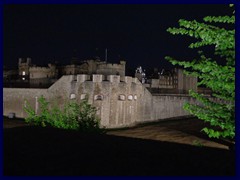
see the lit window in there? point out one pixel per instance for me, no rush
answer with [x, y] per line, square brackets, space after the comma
[23, 73]
[23, 79]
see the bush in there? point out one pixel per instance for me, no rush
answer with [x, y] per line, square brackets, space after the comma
[74, 116]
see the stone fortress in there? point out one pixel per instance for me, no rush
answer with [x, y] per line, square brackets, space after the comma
[37, 76]
[120, 100]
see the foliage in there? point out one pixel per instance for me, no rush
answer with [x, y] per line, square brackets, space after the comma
[74, 116]
[218, 110]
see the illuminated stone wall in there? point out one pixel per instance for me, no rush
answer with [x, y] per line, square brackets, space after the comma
[120, 101]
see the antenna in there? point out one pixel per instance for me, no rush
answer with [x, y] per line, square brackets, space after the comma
[106, 54]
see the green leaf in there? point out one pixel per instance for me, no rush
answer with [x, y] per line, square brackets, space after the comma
[219, 109]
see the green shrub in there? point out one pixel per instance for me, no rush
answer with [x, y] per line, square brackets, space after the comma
[74, 116]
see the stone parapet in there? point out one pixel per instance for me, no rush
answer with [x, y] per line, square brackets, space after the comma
[82, 77]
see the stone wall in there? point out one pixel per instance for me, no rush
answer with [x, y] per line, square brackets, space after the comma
[111, 69]
[37, 72]
[14, 100]
[178, 80]
[120, 101]
[169, 106]
[162, 82]
[70, 69]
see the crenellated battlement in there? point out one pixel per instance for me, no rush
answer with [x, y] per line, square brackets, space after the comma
[24, 61]
[110, 65]
[43, 69]
[98, 78]
[111, 69]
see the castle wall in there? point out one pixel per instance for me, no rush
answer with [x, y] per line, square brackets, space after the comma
[145, 106]
[180, 81]
[169, 106]
[120, 101]
[111, 69]
[14, 100]
[162, 83]
[113, 111]
[42, 72]
[70, 69]
[94, 67]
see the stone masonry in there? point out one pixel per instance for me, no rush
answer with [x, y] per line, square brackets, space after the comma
[120, 100]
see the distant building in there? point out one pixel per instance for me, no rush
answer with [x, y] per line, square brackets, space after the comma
[97, 66]
[43, 76]
[158, 81]
[167, 81]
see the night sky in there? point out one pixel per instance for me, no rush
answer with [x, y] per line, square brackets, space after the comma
[135, 33]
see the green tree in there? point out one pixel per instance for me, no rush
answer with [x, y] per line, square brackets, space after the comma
[76, 116]
[219, 109]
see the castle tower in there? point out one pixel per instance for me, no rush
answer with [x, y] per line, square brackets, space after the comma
[23, 68]
[180, 80]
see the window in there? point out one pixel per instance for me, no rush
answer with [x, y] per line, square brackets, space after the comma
[135, 97]
[98, 97]
[130, 97]
[121, 97]
[23, 73]
[23, 79]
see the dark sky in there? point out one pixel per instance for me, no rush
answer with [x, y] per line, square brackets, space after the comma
[135, 33]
